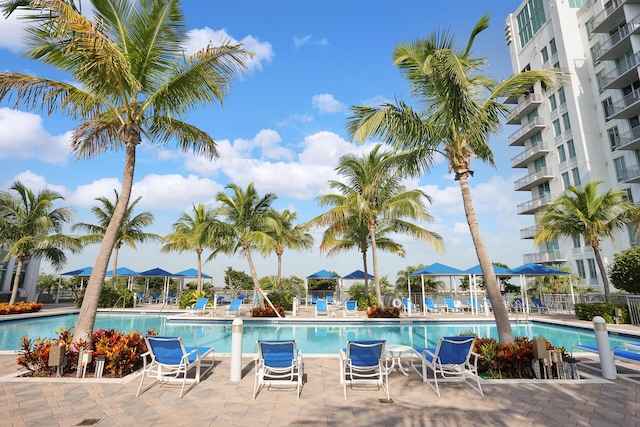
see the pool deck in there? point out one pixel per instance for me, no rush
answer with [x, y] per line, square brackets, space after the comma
[219, 401]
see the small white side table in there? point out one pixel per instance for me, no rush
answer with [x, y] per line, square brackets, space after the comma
[396, 351]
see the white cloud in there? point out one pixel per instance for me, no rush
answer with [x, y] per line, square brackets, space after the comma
[85, 195]
[22, 135]
[201, 37]
[11, 32]
[326, 104]
[301, 41]
[35, 183]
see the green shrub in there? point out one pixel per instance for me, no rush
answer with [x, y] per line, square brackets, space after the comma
[282, 299]
[109, 297]
[188, 298]
[587, 311]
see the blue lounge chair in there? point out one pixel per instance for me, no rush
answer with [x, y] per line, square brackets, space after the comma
[538, 305]
[200, 307]
[155, 297]
[406, 303]
[364, 363]
[451, 305]
[350, 308]
[451, 359]
[167, 360]
[431, 307]
[330, 299]
[278, 363]
[170, 297]
[314, 299]
[321, 308]
[628, 353]
[219, 299]
[234, 307]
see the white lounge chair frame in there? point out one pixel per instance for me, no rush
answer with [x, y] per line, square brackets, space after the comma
[291, 374]
[625, 354]
[449, 368]
[174, 369]
[352, 373]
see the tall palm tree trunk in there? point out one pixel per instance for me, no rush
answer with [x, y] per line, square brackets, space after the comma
[87, 316]
[505, 334]
[114, 275]
[279, 277]
[374, 257]
[603, 274]
[16, 281]
[199, 278]
[366, 273]
[254, 276]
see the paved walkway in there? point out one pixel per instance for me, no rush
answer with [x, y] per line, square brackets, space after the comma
[216, 401]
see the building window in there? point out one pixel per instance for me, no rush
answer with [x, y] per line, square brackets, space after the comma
[580, 267]
[561, 96]
[614, 137]
[595, 57]
[532, 115]
[571, 149]
[553, 47]
[589, 27]
[629, 195]
[540, 164]
[576, 4]
[556, 65]
[566, 122]
[592, 268]
[576, 177]
[544, 189]
[607, 108]
[566, 183]
[576, 241]
[620, 166]
[553, 103]
[557, 129]
[530, 20]
[562, 155]
[545, 55]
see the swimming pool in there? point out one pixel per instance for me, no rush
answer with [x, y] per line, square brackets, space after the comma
[313, 337]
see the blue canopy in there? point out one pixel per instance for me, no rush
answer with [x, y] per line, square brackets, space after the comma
[532, 269]
[192, 272]
[79, 272]
[499, 271]
[358, 274]
[156, 272]
[323, 274]
[437, 269]
[123, 271]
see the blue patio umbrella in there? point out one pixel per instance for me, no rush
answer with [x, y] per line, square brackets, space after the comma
[358, 274]
[123, 271]
[192, 272]
[79, 272]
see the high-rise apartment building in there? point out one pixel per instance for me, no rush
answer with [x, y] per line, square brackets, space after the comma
[585, 129]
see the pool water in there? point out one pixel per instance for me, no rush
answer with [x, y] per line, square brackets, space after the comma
[317, 337]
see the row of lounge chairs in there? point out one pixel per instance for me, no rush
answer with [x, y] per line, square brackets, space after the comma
[280, 363]
[348, 307]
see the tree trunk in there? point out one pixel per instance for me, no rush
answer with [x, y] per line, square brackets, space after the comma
[114, 275]
[366, 273]
[16, 280]
[279, 277]
[374, 258]
[254, 276]
[199, 279]
[603, 273]
[89, 308]
[505, 334]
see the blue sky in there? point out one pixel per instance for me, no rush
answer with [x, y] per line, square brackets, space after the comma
[282, 127]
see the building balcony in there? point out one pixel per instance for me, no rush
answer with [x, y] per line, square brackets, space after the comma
[619, 42]
[526, 106]
[625, 108]
[529, 232]
[623, 75]
[545, 257]
[526, 131]
[529, 155]
[629, 140]
[534, 205]
[611, 16]
[528, 182]
[630, 175]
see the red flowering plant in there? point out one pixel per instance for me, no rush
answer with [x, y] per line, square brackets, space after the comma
[376, 311]
[122, 352]
[268, 311]
[20, 307]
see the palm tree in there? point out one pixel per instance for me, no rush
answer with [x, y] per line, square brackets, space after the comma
[288, 236]
[584, 213]
[250, 219]
[373, 195]
[460, 106]
[30, 227]
[133, 79]
[129, 233]
[196, 233]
